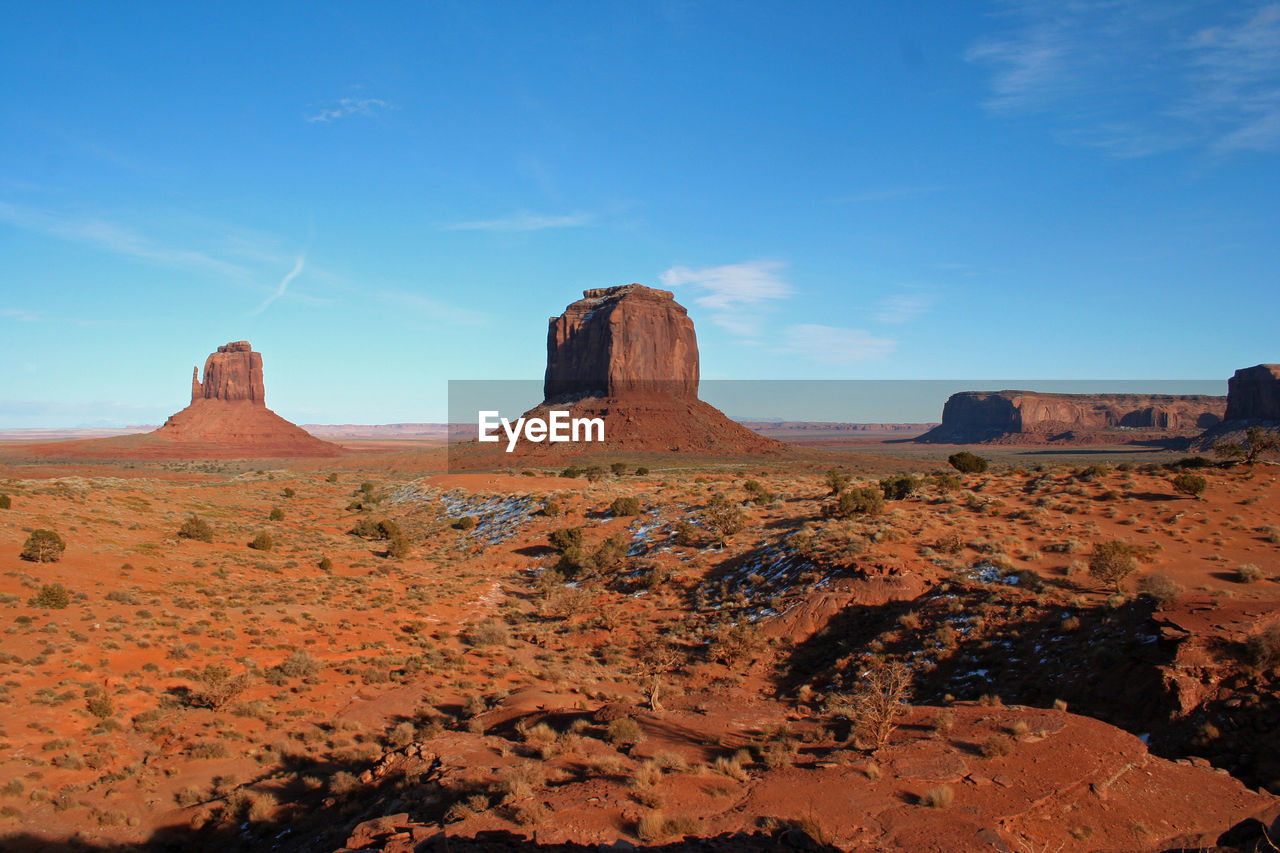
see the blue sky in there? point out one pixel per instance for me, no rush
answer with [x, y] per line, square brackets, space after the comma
[383, 197]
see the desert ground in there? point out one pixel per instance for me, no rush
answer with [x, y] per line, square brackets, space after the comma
[643, 654]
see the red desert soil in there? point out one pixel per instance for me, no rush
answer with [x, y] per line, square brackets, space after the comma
[709, 667]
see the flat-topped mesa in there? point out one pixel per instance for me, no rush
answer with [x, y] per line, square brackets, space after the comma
[234, 372]
[976, 416]
[622, 342]
[1253, 393]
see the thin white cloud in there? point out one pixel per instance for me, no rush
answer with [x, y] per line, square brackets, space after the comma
[118, 239]
[349, 107]
[524, 221]
[902, 308]
[1135, 79]
[435, 310]
[888, 194]
[735, 293]
[283, 285]
[21, 315]
[834, 345]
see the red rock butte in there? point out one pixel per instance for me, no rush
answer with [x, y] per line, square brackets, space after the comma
[228, 418]
[629, 355]
[1032, 417]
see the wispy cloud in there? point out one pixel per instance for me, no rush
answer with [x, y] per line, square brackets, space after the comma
[734, 292]
[115, 238]
[834, 345]
[21, 315]
[902, 308]
[524, 221]
[435, 310]
[1134, 79]
[345, 107]
[888, 194]
[283, 285]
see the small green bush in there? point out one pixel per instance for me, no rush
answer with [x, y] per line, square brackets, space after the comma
[276, 514]
[552, 509]
[262, 542]
[467, 522]
[759, 494]
[101, 706]
[625, 506]
[899, 487]
[967, 463]
[1187, 483]
[398, 548]
[325, 564]
[5, 502]
[52, 596]
[860, 501]
[43, 546]
[196, 528]
[618, 468]
[1111, 562]
[642, 471]
[566, 538]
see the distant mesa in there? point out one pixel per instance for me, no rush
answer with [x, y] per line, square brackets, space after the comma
[1029, 417]
[228, 418]
[629, 355]
[1253, 399]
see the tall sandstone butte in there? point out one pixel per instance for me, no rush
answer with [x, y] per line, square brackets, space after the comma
[1253, 394]
[627, 355]
[628, 341]
[234, 372]
[1028, 416]
[228, 418]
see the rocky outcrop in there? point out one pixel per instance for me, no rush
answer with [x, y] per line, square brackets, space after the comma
[622, 342]
[227, 419]
[979, 416]
[629, 356]
[234, 372]
[1253, 394]
[1253, 400]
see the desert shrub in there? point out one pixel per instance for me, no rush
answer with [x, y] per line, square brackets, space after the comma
[610, 553]
[398, 548]
[467, 522]
[594, 474]
[52, 596]
[625, 506]
[938, 798]
[837, 481]
[624, 731]
[642, 471]
[572, 472]
[276, 514]
[300, 664]
[325, 564]
[731, 644]
[489, 632]
[967, 463]
[288, 492]
[197, 529]
[388, 529]
[1248, 573]
[101, 706]
[723, 517]
[332, 478]
[618, 468]
[878, 701]
[1111, 562]
[759, 494]
[215, 687]
[43, 546]
[687, 534]
[262, 542]
[1263, 648]
[565, 538]
[997, 745]
[861, 501]
[5, 502]
[947, 482]
[552, 509]
[1160, 588]
[1186, 483]
[899, 486]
